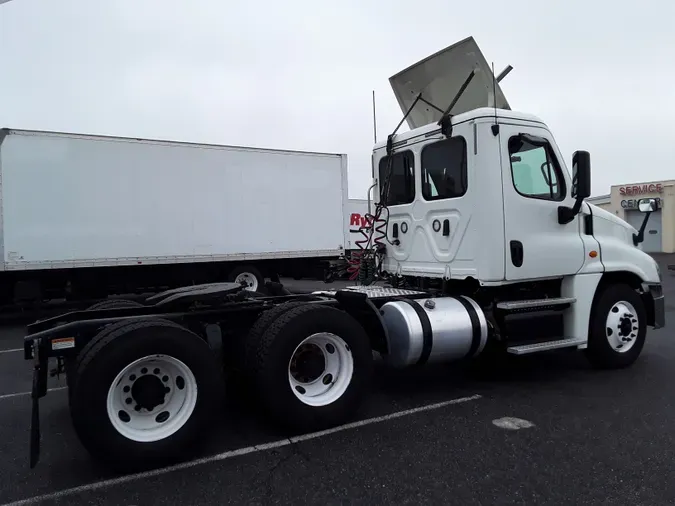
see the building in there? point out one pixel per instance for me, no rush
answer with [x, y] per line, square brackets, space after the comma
[622, 201]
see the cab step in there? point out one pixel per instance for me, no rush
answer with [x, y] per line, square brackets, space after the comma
[514, 305]
[524, 349]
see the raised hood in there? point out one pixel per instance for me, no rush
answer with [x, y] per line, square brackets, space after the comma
[439, 77]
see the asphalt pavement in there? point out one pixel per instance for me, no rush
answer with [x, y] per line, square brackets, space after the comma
[538, 429]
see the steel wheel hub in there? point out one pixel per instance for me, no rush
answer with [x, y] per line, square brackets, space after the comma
[622, 326]
[321, 369]
[249, 281]
[152, 398]
[149, 392]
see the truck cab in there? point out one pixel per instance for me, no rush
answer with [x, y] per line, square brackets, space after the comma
[486, 206]
[478, 199]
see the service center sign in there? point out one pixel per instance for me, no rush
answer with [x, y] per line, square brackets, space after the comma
[641, 189]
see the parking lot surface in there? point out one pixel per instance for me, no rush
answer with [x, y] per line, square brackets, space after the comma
[539, 429]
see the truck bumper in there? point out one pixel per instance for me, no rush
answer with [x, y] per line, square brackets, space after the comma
[653, 293]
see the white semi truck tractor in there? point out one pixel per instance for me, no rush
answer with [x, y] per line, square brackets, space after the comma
[481, 234]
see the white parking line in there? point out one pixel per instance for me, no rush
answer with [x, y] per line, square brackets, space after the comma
[236, 453]
[512, 423]
[14, 350]
[18, 394]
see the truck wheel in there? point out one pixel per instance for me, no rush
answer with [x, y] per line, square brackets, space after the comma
[144, 393]
[115, 304]
[249, 275]
[618, 328]
[312, 367]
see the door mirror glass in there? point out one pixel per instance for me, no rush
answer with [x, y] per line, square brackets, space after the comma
[581, 174]
[648, 205]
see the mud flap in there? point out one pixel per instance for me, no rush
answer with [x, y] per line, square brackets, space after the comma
[35, 426]
[39, 390]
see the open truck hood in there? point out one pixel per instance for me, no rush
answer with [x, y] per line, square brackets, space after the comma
[440, 76]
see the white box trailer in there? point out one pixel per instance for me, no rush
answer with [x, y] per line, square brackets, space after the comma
[83, 212]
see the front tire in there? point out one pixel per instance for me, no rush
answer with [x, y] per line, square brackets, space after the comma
[312, 367]
[144, 394]
[618, 328]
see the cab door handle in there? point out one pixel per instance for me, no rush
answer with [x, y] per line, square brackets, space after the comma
[446, 227]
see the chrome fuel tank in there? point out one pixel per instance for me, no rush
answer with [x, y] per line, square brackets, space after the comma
[433, 330]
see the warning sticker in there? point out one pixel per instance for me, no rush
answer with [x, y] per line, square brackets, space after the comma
[63, 343]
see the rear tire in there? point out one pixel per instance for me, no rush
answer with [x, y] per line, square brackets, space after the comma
[102, 390]
[327, 397]
[618, 328]
[242, 368]
[71, 364]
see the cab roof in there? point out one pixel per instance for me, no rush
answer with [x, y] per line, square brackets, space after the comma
[481, 112]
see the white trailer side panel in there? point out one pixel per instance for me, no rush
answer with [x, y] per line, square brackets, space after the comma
[75, 201]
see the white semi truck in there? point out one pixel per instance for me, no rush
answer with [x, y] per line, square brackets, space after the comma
[84, 216]
[480, 229]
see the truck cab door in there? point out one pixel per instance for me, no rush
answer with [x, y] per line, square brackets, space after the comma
[430, 205]
[535, 183]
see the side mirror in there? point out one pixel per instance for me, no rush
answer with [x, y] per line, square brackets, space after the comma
[648, 205]
[581, 175]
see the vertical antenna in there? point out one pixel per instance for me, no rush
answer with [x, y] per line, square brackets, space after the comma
[495, 127]
[374, 120]
[494, 90]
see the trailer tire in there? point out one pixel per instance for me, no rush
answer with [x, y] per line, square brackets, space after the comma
[188, 371]
[249, 274]
[330, 398]
[618, 328]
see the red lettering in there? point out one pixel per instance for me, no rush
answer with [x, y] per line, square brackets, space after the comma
[355, 219]
[641, 189]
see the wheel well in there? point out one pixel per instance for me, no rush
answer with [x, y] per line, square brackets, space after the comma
[632, 280]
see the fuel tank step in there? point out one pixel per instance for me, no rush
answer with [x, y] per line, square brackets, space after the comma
[513, 305]
[524, 349]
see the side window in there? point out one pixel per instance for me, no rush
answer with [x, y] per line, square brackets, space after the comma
[535, 169]
[400, 174]
[444, 169]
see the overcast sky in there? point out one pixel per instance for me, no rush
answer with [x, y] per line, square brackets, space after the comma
[299, 74]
